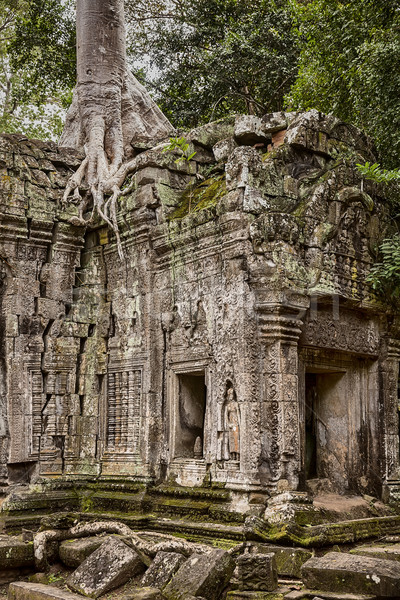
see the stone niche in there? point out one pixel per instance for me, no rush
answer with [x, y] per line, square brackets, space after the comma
[237, 343]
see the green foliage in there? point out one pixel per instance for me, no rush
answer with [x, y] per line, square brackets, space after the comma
[384, 276]
[181, 145]
[55, 578]
[43, 50]
[209, 58]
[37, 65]
[350, 66]
[376, 173]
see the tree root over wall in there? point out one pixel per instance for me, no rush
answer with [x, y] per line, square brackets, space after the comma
[146, 550]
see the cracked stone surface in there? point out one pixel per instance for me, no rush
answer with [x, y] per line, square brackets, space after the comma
[108, 567]
[341, 572]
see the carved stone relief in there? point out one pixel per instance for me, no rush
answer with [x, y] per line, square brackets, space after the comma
[124, 393]
[350, 333]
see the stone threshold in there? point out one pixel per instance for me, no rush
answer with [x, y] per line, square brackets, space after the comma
[317, 536]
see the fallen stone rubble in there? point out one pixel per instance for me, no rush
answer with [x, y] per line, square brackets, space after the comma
[99, 564]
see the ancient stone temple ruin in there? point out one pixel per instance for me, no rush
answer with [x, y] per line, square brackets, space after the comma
[236, 348]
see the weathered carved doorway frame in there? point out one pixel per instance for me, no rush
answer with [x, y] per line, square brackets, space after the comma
[188, 471]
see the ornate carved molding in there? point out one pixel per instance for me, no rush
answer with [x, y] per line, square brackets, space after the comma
[275, 326]
[348, 333]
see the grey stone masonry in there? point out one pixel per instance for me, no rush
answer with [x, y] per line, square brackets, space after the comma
[231, 340]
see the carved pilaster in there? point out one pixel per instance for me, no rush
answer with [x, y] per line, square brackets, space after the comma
[280, 329]
[389, 379]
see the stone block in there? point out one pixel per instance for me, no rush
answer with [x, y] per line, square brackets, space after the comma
[250, 130]
[37, 591]
[274, 122]
[144, 593]
[203, 575]
[108, 567]
[245, 595]
[49, 309]
[389, 552]
[14, 553]
[223, 149]
[339, 572]
[74, 552]
[288, 560]
[211, 133]
[257, 572]
[12, 328]
[162, 569]
[150, 175]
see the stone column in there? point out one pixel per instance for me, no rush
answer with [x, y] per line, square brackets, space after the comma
[4, 433]
[280, 329]
[389, 385]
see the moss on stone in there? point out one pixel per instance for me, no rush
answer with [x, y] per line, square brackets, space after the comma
[199, 197]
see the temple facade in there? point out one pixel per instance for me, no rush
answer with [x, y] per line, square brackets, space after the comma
[238, 342]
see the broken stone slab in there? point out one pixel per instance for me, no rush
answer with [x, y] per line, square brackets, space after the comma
[74, 552]
[14, 553]
[246, 595]
[203, 575]
[108, 567]
[274, 122]
[211, 133]
[250, 130]
[223, 149]
[20, 590]
[144, 593]
[340, 572]
[256, 572]
[304, 593]
[389, 552]
[288, 560]
[162, 569]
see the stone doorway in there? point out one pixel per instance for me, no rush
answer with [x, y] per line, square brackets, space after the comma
[189, 418]
[326, 429]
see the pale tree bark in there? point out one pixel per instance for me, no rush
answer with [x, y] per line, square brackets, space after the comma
[147, 550]
[110, 112]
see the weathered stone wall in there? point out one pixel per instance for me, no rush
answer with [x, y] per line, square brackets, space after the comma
[39, 253]
[243, 280]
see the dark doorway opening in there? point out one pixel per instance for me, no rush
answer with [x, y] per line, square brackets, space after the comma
[190, 415]
[328, 394]
[311, 401]
[21, 473]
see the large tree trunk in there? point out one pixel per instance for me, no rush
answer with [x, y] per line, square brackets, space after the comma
[111, 112]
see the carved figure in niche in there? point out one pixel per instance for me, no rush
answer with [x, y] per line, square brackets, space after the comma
[198, 448]
[198, 326]
[231, 423]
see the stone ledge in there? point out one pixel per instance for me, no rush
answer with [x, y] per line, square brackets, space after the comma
[37, 591]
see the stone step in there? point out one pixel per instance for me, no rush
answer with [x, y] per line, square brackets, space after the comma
[388, 552]
[14, 553]
[36, 591]
[306, 594]
[342, 572]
